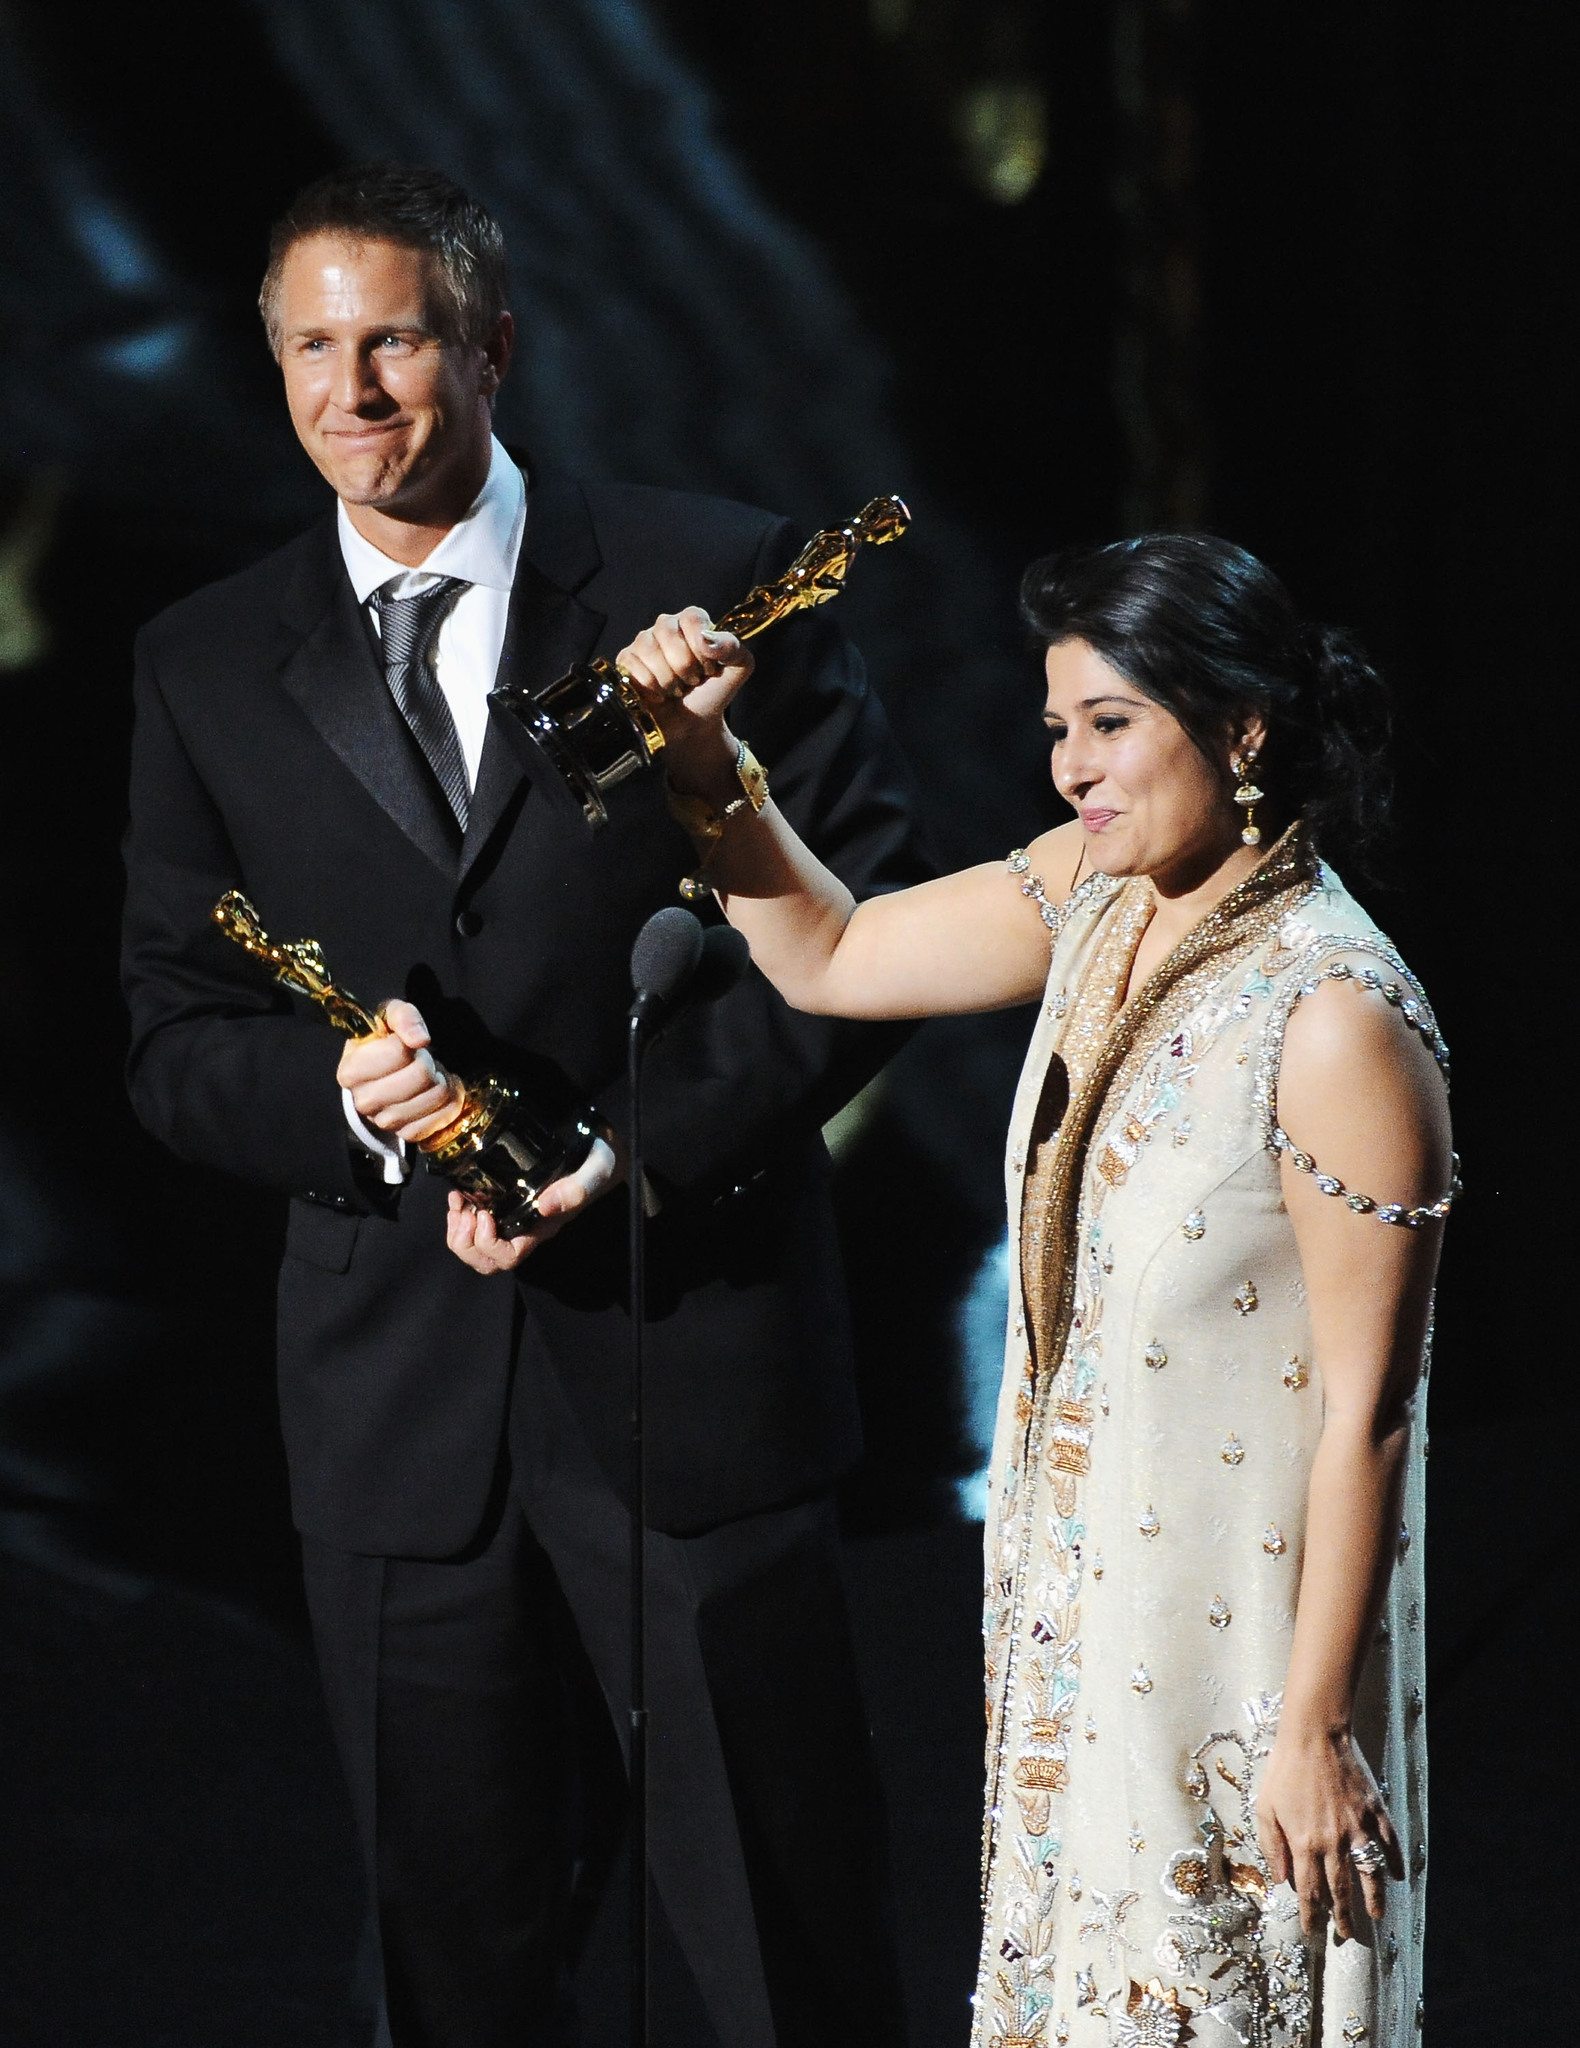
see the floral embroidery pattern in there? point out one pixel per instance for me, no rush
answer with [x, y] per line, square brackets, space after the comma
[1236, 1938]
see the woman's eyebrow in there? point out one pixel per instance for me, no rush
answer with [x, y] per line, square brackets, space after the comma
[1091, 704]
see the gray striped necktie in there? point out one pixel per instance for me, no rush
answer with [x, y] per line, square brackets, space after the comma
[408, 628]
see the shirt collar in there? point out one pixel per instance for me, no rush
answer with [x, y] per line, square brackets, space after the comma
[481, 547]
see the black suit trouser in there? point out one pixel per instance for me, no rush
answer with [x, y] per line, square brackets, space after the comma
[457, 1697]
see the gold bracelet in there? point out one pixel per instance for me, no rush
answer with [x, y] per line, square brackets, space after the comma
[706, 825]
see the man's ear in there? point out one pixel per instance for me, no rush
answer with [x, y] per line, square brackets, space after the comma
[497, 351]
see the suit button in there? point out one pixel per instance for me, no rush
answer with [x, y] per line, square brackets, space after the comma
[469, 923]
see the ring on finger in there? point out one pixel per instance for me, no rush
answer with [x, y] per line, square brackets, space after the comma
[1369, 1857]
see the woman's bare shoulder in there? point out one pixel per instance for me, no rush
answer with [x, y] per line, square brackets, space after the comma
[1054, 858]
[1353, 1064]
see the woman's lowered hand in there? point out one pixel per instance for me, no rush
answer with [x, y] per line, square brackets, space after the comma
[1318, 1805]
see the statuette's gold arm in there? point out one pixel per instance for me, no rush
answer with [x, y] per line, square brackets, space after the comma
[818, 573]
[297, 964]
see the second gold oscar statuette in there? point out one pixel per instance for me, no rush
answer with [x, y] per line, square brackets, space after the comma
[499, 1150]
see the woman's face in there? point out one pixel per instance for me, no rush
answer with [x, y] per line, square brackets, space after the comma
[1149, 800]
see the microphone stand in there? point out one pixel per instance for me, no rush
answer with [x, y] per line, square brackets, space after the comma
[670, 960]
[635, 1045]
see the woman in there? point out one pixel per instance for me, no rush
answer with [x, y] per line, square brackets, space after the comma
[1228, 1167]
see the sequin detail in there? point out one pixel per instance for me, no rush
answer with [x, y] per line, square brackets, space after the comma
[1364, 1205]
[1416, 1011]
[1052, 914]
[1104, 1919]
[1070, 1438]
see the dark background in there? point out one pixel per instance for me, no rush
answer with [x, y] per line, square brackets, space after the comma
[1299, 275]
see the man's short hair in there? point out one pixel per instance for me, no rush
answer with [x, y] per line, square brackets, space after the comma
[419, 209]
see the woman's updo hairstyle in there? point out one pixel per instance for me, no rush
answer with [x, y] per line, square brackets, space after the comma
[1203, 629]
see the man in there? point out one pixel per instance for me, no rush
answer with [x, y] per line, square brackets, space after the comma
[316, 731]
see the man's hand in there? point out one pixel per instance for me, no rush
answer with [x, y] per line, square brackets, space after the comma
[395, 1083]
[471, 1234]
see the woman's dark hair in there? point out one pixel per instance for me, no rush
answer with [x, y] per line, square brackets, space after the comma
[419, 209]
[1204, 629]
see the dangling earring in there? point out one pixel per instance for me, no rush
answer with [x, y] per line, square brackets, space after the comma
[1248, 794]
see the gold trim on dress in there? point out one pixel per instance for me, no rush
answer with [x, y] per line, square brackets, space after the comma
[1248, 915]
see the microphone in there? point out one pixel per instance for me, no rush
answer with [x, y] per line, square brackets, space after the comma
[676, 962]
[664, 962]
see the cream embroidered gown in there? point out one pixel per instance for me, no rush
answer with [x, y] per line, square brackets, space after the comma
[1147, 1504]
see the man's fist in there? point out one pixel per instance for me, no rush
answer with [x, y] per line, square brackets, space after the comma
[395, 1083]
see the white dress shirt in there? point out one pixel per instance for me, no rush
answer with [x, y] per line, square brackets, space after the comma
[482, 548]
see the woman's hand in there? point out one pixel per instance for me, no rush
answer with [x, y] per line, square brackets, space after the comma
[687, 675]
[1318, 1801]
[471, 1234]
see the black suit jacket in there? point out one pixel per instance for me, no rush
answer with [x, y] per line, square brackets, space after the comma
[268, 755]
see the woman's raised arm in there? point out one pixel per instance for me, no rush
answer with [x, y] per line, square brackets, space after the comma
[969, 941]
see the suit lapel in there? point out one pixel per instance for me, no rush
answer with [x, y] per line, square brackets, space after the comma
[333, 674]
[549, 630]
[334, 678]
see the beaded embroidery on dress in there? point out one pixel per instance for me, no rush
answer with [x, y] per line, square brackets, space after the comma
[1147, 1499]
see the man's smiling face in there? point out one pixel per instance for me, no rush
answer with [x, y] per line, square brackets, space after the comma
[396, 417]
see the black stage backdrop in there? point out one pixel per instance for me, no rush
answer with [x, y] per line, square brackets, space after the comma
[1300, 276]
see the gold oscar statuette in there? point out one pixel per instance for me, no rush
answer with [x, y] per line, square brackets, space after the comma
[594, 727]
[496, 1149]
